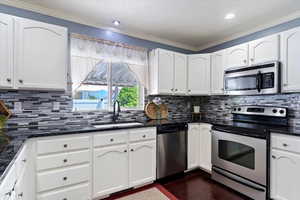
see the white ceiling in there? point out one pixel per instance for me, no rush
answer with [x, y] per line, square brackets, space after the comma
[193, 24]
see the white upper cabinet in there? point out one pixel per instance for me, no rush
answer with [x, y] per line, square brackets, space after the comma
[41, 55]
[237, 56]
[167, 72]
[217, 73]
[264, 50]
[199, 74]
[290, 60]
[180, 73]
[6, 51]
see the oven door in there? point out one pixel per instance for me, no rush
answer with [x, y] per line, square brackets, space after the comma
[240, 155]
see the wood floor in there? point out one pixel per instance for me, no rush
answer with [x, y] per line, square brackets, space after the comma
[198, 186]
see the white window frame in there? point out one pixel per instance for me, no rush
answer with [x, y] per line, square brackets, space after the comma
[109, 89]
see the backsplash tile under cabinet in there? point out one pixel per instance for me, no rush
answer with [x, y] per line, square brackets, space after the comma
[219, 107]
[38, 109]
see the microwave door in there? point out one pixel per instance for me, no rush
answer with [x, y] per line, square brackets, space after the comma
[247, 84]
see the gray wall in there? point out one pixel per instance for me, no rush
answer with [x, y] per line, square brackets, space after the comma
[269, 31]
[88, 30]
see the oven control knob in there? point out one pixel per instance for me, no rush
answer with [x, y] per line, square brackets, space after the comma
[234, 109]
[274, 110]
[281, 111]
[239, 109]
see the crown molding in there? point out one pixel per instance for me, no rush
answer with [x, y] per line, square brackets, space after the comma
[282, 20]
[58, 14]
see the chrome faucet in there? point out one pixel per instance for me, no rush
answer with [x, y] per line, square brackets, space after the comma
[117, 110]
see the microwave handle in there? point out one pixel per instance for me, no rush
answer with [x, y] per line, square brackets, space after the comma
[258, 81]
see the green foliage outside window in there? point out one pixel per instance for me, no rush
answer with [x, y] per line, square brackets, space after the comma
[128, 97]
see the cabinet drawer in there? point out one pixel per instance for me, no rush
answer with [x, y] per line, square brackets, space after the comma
[75, 193]
[286, 142]
[60, 178]
[142, 134]
[62, 160]
[62, 144]
[110, 138]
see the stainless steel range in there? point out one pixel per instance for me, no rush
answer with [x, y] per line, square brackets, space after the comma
[239, 149]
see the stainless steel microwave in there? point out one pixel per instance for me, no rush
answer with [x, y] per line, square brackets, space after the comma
[253, 80]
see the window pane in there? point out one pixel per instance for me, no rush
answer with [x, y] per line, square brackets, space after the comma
[91, 97]
[93, 91]
[125, 86]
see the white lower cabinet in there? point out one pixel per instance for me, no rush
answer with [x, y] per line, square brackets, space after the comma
[285, 165]
[80, 192]
[110, 170]
[193, 145]
[121, 166]
[142, 163]
[199, 146]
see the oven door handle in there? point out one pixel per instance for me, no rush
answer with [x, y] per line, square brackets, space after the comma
[238, 179]
[258, 81]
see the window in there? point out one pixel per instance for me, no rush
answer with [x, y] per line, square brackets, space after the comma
[106, 83]
[103, 72]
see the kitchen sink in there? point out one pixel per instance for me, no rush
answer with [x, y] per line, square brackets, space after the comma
[118, 125]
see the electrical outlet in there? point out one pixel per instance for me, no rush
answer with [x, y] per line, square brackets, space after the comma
[56, 105]
[17, 107]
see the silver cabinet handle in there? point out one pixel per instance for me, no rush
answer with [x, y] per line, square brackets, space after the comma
[245, 61]
[65, 145]
[131, 150]
[176, 90]
[125, 151]
[285, 145]
[144, 136]
[8, 80]
[21, 194]
[285, 84]
[189, 90]
[274, 157]
[20, 81]
[252, 59]
[65, 178]
[111, 139]
[24, 160]
[65, 160]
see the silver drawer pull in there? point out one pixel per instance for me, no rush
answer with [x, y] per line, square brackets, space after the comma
[21, 194]
[65, 146]
[285, 145]
[65, 160]
[64, 199]
[65, 178]
[20, 81]
[144, 136]
[8, 80]
[125, 151]
[24, 160]
[111, 139]
[131, 150]
[274, 157]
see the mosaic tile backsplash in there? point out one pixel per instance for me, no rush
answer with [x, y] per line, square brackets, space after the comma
[219, 107]
[37, 108]
[33, 108]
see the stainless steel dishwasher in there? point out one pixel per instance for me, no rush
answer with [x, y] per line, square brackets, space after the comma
[171, 149]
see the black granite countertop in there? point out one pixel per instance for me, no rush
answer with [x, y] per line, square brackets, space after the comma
[12, 139]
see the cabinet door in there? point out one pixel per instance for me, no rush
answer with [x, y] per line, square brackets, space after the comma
[285, 175]
[41, 55]
[217, 73]
[290, 59]
[237, 56]
[142, 163]
[180, 73]
[264, 50]
[199, 74]
[110, 170]
[205, 147]
[165, 72]
[193, 145]
[6, 51]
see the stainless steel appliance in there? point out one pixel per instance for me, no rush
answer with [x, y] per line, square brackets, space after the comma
[259, 79]
[171, 149]
[239, 149]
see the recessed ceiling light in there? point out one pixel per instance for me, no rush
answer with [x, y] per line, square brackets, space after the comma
[230, 16]
[116, 22]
